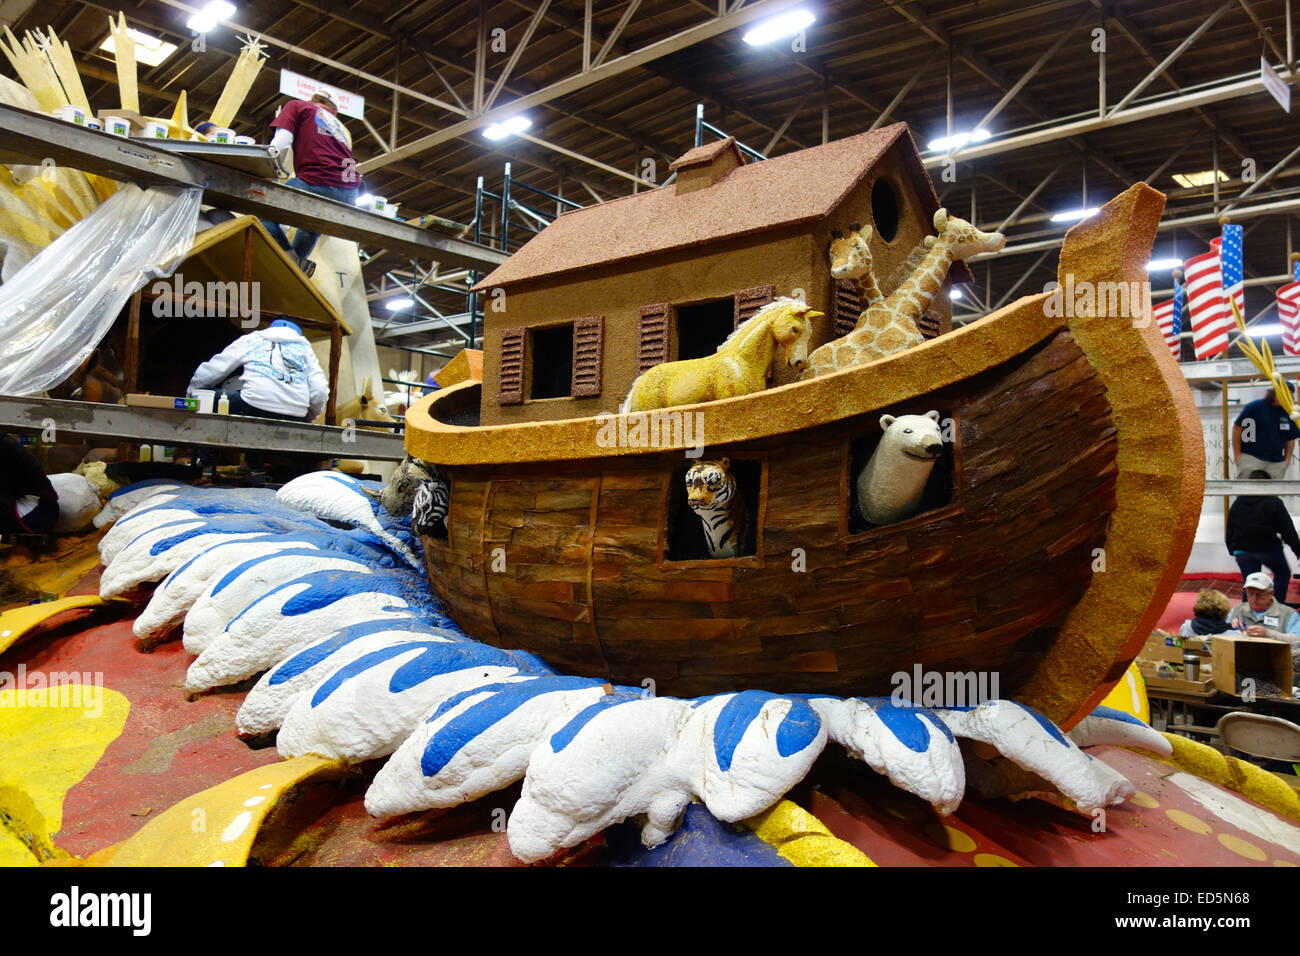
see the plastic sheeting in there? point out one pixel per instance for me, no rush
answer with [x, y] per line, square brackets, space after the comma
[57, 308]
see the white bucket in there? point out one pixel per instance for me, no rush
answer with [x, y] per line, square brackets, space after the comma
[206, 397]
[117, 126]
[92, 123]
[73, 114]
[155, 130]
[390, 209]
[223, 135]
[245, 141]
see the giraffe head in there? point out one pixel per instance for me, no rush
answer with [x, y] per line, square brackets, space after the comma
[850, 255]
[962, 239]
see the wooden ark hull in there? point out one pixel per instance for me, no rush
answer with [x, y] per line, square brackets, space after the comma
[1064, 526]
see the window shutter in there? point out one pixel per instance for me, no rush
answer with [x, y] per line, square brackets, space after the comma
[511, 367]
[652, 336]
[750, 301]
[929, 324]
[848, 306]
[588, 344]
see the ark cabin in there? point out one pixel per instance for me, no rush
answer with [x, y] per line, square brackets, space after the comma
[608, 291]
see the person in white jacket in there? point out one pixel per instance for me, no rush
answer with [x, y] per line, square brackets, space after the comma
[281, 377]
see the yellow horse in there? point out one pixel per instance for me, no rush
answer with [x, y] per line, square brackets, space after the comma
[742, 364]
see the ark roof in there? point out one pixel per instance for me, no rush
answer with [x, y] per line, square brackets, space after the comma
[798, 187]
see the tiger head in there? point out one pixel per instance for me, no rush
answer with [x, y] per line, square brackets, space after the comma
[709, 484]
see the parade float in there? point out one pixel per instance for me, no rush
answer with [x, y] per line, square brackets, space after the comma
[657, 569]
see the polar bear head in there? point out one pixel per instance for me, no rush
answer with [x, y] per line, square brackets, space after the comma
[916, 436]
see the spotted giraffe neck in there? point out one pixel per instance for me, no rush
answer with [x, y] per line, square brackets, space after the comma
[924, 281]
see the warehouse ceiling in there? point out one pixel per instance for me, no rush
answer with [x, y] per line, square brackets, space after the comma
[649, 64]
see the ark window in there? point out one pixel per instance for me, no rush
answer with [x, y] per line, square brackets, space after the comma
[684, 532]
[939, 488]
[885, 209]
[552, 354]
[701, 328]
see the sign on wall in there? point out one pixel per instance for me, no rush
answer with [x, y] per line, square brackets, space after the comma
[302, 87]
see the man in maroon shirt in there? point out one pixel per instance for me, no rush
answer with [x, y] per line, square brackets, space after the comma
[322, 162]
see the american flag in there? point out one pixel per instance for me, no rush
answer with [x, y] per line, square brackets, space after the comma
[1169, 316]
[1211, 317]
[1288, 312]
[1229, 247]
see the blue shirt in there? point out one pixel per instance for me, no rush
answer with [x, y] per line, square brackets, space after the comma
[1273, 428]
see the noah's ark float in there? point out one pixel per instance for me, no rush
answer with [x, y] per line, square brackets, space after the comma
[1052, 529]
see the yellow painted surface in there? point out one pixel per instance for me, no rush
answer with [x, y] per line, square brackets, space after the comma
[992, 859]
[1245, 778]
[1144, 799]
[1130, 695]
[217, 826]
[803, 839]
[17, 622]
[948, 838]
[49, 741]
[1243, 847]
[1189, 822]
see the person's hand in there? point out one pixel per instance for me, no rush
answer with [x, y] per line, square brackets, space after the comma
[1256, 630]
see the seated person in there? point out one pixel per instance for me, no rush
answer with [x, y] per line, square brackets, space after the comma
[281, 377]
[1261, 615]
[28, 502]
[1210, 615]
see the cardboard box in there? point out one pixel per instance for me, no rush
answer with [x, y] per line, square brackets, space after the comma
[1200, 687]
[1236, 656]
[162, 401]
[1162, 646]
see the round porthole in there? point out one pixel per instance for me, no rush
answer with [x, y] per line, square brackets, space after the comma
[885, 210]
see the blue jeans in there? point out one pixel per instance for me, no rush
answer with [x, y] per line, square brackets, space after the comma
[1275, 561]
[304, 242]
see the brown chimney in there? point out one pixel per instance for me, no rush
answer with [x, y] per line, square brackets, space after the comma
[705, 165]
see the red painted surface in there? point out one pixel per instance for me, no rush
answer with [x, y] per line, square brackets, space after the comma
[898, 829]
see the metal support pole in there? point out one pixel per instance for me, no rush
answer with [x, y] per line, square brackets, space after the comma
[586, 37]
[1101, 70]
[1024, 203]
[505, 212]
[898, 97]
[1261, 181]
[1177, 52]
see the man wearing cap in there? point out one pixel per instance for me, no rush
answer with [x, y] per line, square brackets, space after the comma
[1262, 615]
[281, 377]
[322, 163]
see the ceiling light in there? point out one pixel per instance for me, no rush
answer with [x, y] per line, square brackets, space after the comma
[516, 124]
[954, 294]
[958, 140]
[1192, 180]
[779, 27]
[1164, 265]
[148, 50]
[397, 305]
[1271, 328]
[211, 14]
[1074, 215]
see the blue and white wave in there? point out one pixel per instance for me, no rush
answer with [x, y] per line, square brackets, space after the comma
[321, 592]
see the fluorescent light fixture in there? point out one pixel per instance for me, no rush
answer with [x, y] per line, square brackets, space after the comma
[958, 140]
[1191, 180]
[516, 124]
[779, 27]
[1074, 215]
[211, 14]
[148, 50]
[1271, 328]
[397, 305]
[1164, 265]
[954, 294]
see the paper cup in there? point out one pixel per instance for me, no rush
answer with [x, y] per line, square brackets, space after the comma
[206, 397]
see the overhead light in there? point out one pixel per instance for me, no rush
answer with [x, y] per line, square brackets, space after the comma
[397, 305]
[1271, 328]
[213, 13]
[954, 294]
[1074, 215]
[510, 127]
[148, 50]
[779, 27]
[1191, 180]
[1164, 265]
[958, 140]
